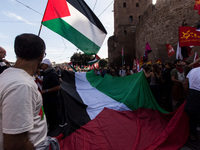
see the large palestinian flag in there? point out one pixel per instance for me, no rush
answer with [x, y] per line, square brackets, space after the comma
[74, 20]
[115, 113]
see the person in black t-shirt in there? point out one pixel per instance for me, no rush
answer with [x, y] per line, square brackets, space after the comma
[51, 95]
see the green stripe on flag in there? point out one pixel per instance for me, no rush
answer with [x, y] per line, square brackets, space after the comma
[133, 90]
[67, 31]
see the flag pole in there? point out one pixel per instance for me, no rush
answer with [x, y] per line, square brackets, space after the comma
[42, 19]
[40, 29]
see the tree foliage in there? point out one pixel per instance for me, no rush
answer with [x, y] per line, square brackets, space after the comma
[103, 63]
[81, 58]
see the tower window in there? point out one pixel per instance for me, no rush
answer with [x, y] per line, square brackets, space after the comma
[131, 18]
[125, 32]
[124, 4]
[137, 4]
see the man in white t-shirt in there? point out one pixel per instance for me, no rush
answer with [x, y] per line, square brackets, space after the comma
[192, 106]
[22, 121]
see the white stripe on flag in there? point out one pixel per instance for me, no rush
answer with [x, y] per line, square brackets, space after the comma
[178, 52]
[84, 26]
[96, 100]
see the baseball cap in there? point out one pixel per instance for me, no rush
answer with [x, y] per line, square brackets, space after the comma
[47, 62]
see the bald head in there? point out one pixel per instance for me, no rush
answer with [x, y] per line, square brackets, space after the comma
[2, 52]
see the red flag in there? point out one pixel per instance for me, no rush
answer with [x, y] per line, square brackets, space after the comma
[197, 5]
[188, 36]
[170, 50]
[159, 61]
[149, 62]
[148, 48]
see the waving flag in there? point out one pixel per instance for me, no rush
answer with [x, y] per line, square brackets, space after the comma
[170, 50]
[73, 20]
[148, 48]
[197, 5]
[71, 65]
[110, 113]
[159, 61]
[147, 51]
[96, 59]
[189, 36]
[178, 52]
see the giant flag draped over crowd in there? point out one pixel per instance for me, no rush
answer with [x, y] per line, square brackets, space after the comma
[73, 20]
[117, 113]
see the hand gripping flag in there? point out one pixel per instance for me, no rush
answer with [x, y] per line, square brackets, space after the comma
[74, 20]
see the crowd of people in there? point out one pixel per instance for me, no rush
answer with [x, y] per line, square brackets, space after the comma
[171, 84]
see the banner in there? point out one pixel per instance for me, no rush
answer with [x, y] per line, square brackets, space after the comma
[197, 5]
[189, 36]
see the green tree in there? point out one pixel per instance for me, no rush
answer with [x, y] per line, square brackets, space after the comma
[81, 58]
[103, 62]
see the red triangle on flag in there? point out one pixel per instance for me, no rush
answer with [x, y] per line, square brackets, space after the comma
[56, 9]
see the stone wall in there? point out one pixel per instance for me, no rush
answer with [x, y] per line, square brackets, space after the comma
[126, 18]
[159, 26]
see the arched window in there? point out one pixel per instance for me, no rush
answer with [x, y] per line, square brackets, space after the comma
[137, 4]
[131, 18]
[124, 4]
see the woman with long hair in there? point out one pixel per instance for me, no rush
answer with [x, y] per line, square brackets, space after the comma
[155, 81]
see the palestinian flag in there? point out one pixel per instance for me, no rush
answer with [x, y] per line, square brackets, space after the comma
[117, 113]
[96, 59]
[71, 65]
[73, 20]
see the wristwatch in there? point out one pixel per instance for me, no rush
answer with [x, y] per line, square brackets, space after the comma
[46, 91]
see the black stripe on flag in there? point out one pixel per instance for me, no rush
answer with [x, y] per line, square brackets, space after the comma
[75, 109]
[82, 7]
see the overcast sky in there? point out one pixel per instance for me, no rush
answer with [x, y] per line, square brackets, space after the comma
[15, 18]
